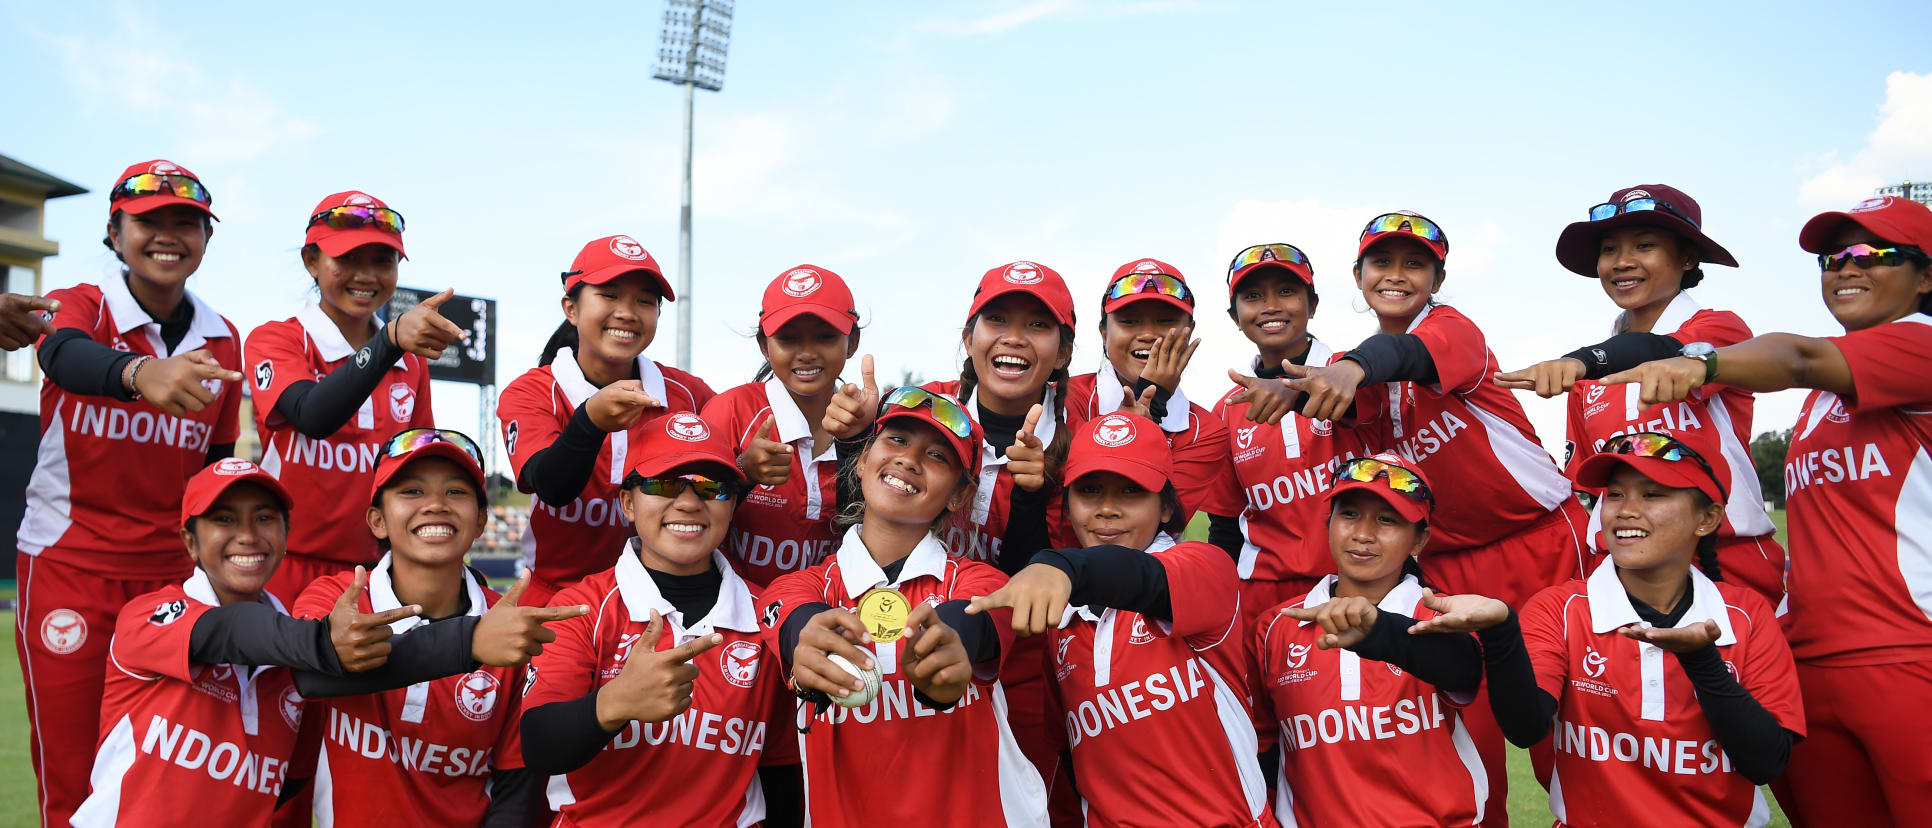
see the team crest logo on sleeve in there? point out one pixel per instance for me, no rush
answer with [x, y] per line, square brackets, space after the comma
[402, 401]
[1114, 430]
[627, 248]
[1023, 273]
[264, 375]
[290, 703]
[510, 438]
[63, 631]
[476, 695]
[801, 283]
[529, 677]
[168, 613]
[1838, 414]
[740, 662]
[1140, 634]
[1321, 428]
[687, 427]
[771, 613]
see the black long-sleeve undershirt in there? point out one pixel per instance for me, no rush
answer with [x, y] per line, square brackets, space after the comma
[1394, 358]
[1453, 663]
[254, 633]
[1026, 522]
[558, 473]
[319, 409]
[1624, 352]
[1524, 711]
[1224, 531]
[77, 364]
[1114, 576]
[516, 799]
[561, 737]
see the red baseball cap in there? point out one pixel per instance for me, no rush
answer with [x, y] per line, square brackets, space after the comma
[610, 257]
[1129, 445]
[1147, 266]
[418, 443]
[807, 289]
[1266, 257]
[1031, 278]
[1577, 247]
[335, 242]
[208, 485]
[1690, 472]
[678, 440]
[1412, 229]
[1412, 508]
[1896, 220]
[966, 448]
[142, 203]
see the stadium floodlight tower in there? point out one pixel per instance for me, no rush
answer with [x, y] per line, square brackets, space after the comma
[692, 54]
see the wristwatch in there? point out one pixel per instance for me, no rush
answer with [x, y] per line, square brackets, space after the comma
[1706, 353]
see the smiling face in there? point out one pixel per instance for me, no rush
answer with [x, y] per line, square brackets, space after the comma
[1864, 297]
[239, 541]
[430, 513]
[1130, 331]
[1272, 308]
[1397, 276]
[676, 534]
[356, 283]
[1015, 344]
[1641, 266]
[807, 355]
[616, 320]
[1651, 526]
[909, 475]
[1107, 508]
[163, 245]
[1370, 540]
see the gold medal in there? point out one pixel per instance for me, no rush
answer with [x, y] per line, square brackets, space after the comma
[883, 611]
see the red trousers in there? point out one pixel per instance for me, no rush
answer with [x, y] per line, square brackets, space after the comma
[1865, 758]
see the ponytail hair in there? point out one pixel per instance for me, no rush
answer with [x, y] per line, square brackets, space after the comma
[764, 368]
[1707, 557]
[565, 336]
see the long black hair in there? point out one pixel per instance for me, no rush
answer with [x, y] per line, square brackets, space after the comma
[565, 336]
[1056, 451]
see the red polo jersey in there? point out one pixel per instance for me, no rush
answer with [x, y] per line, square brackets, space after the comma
[787, 527]
[978, 533]
[1203, 469]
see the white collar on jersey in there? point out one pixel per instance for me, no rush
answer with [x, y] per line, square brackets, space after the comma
[1426, 308]
[1610, 606]
[859, 572]
[1108, 394]
[791, 422]
[570, 378]
[732, 611]
[382, 595]
[1161, 543]
[201, 589]
[1318, 354]
[988, 457]
[1681, 308]
[1401, 599]
[328, 339]
[128, 315]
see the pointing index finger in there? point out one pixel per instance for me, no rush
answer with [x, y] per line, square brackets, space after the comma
[690, 649]
[865, 371]
[437, 301]
[387, 616]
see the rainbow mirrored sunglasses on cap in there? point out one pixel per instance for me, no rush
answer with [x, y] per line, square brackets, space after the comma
[1404, 223]
[705, 488]
[944, 411]
[1160, 283]
[1865, 255]
[147, 184]
[358, 216]
[1367, 469]
[408, 441]
[1660, 447]
[1638, 205]
[1284, 253]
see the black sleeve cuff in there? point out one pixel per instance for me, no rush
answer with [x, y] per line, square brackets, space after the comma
[789, 629]
[561, 737]
[1624, 352]
[1114, 576]
[1225, 532]
[559, 473]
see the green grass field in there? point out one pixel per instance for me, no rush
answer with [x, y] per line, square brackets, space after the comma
[1527, 802]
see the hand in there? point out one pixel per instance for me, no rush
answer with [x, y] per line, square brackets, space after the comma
[1142, 405]
[1345, 621]
[1268, 400]
[1168, 358]
[1548, 378]
[853, 408]
[1664, 380]
[508, 635]
[1460, 613]
[174, 384]
[362, 639]
[935, 658]
[1676, 639]
[423, 331]
[619, 405]
[832, 631]
[20, 322]
[1038, 597]
[654, 685]
[766, 461]
[1330, 389]
[1026, 458]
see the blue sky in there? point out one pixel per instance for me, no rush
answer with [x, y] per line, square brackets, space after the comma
[910, 146]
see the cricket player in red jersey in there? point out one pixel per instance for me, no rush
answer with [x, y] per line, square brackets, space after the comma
[442, 752]
[807, 329]
[1283, 462]
[1646, 245]
[208, 677]
[1149, 652]
[139, 394]
[1363, 744]
[1858, 489]
[934, 738]
[565, 421]
[1668, 694]
[1146, 320]
[322, 415]
[656, 708]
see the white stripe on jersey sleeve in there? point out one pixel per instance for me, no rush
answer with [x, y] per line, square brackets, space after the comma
[323, 807]
[50, 490]
[1527, 462]
[103, 806]
[559, 793]
[1746, 506]
[1023, 797]
[1472, 761]
[1913, 520]
[1242, 741]
[1284, 795]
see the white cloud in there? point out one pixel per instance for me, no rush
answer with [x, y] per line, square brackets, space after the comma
[1013, 17]
[1899, 147]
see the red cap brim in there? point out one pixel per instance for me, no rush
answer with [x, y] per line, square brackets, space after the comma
[335, 243]
[1594, 473]
[1112, 305]
[142, 204]
[1440, 250]
[966, 450]
[1306, 276]
[610, 274]
[1144, 475]
[195, 502]
[388, 467]
[1412, 509]
[1060, 307]
[840, 321]
[1817, 233]
[658, 464]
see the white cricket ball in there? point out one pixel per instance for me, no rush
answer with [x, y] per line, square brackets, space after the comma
[858, 697]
